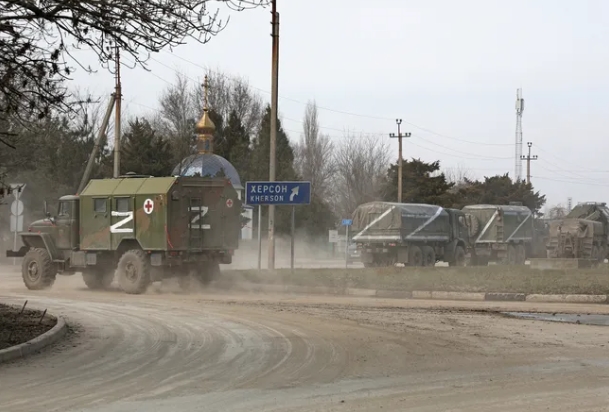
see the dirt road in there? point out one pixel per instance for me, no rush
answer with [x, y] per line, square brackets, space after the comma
[211, 352]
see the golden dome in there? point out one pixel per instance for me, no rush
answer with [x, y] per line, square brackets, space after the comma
[205, 125]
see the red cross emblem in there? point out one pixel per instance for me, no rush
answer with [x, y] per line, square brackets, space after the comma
[229, 202]
[148, 206]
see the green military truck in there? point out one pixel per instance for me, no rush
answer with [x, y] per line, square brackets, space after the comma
[146, 228]
[505, 234]
[409, 233]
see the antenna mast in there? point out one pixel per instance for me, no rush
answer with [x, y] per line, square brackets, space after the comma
[518, 156]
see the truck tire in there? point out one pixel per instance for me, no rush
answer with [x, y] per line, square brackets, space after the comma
[459, 258]
[521, 254]
[415, 256]
[97, 278]
[209, 272]
[429, 256]
[134, 272]
[511, 256]
[37, 269]
[596, 254]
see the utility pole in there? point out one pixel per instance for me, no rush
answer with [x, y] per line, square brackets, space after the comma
[399, 136]
[273, 142]
[117, 117]
[528, 158]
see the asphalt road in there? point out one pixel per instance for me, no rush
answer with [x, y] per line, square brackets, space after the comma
[165, 351]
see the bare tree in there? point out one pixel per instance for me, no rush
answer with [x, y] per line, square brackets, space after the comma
[459, 175]
[35, 39]
[361, 169]
[556, 212]
[231, 93]
[177, 117]
[182, 106]
[314, 155]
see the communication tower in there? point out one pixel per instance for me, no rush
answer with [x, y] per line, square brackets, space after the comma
[519, 110]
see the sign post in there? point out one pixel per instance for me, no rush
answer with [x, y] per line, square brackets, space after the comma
[292, 240]
[259, 237]
[347, 223]
[287, 193]
[16, 214]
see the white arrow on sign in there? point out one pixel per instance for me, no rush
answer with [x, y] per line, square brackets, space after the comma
[294, 193]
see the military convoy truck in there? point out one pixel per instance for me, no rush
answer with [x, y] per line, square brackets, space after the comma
[412, 234]
[146, 228]
[505, 234]
[583, 234]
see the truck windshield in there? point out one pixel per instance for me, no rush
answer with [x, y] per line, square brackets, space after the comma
[64, 209]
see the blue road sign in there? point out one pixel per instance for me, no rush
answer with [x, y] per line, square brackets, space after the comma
[347, 222]
[277, 193]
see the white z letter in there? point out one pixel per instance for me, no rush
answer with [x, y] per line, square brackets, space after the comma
[116, 228]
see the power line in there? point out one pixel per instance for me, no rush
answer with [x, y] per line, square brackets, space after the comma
[454, 152]
[335, 110]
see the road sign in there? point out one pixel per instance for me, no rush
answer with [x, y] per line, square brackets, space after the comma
[278, 193]
[347, 222]
[17, 207]
[333, 236]
[16, 223]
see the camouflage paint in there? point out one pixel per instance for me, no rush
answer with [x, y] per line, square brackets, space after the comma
[169, 225]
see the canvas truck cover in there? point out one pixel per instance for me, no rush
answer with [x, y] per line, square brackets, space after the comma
[400, 222]
[591, 211]
[484, 223]
[158, 212]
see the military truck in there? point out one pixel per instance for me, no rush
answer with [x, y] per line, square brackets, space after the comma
[412, 234]
[582, 234]
[147, 228]
[500, 233]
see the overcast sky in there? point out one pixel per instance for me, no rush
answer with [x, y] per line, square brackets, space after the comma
[449, 68]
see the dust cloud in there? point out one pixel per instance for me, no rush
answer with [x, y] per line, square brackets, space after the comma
[308, 253]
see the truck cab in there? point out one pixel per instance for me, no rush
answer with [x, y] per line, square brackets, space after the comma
[460, 232]
[58, 234]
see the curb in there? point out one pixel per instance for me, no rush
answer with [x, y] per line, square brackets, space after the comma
[424, 294]
[32, 346]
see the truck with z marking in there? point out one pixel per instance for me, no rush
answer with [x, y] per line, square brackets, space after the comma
[144, 228]
[413, 234]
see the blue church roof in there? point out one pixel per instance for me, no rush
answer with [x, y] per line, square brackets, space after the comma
[208, 165]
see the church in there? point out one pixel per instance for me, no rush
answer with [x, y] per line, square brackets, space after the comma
[206, 163]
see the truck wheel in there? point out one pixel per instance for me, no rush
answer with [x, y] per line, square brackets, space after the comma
[134, 272]
[596, 252]
[97, 278]
[37, 269]
[429, 256]
[521, 254]
[415, 256]
[210, 271]
[459, 259]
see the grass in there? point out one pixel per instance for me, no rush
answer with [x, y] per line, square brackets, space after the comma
[471, 279]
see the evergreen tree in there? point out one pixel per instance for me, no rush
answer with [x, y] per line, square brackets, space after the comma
[421, 183]
[235, 146]
[144, 152]
[499, 190]
[284, 165]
